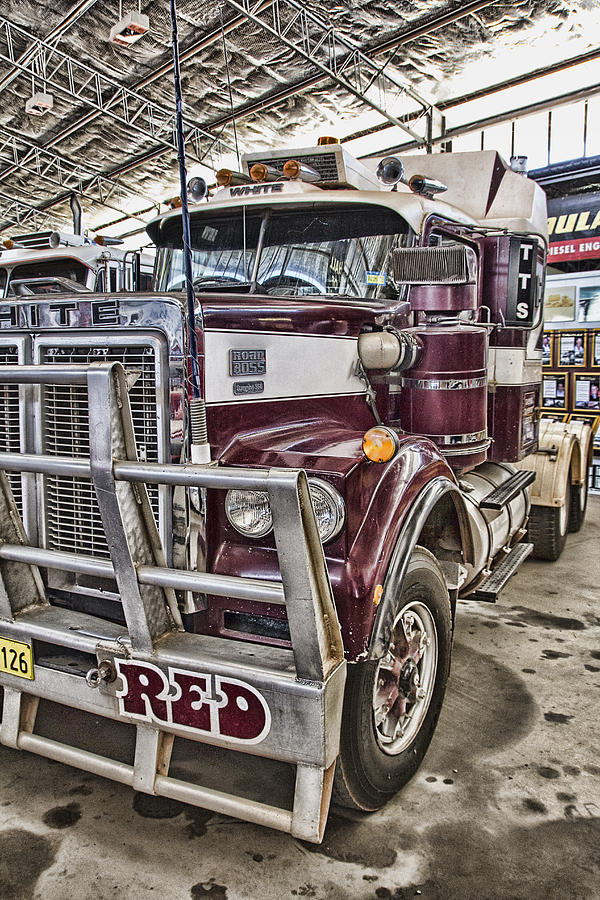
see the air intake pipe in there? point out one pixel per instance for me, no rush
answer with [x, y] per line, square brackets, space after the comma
[389, 350]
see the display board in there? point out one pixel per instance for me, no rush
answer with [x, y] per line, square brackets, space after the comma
[571, 354]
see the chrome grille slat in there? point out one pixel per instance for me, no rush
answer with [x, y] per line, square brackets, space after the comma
[10, 421]
[72, 516]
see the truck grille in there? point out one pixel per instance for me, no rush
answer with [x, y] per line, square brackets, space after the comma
[73, 520]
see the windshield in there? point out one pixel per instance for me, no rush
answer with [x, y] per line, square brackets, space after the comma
[63, 267]
[318, 250]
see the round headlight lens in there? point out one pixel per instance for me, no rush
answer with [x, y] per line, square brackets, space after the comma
[249, 512]
[329, 508]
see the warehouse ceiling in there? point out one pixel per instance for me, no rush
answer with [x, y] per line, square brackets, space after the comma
[378, 74]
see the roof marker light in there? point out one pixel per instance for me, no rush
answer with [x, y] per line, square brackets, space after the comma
[228, 178]
[380, 444]
[295, 170]
[262, 172]
[327, 139]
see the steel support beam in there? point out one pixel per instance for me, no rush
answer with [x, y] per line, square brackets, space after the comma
[497, 118]
[53, 35]
[17, 212]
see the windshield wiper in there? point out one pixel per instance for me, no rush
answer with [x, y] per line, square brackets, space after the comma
[222, 283]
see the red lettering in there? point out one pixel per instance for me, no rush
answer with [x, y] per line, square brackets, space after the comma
[205, 703]
[244, 716]
[192, 708]
[145, 690]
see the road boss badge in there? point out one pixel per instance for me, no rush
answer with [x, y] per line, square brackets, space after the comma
[210, 704]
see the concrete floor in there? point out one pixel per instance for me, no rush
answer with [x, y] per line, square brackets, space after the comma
[506, 805]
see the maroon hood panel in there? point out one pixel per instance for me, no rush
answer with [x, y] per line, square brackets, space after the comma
[302, 433]
[297, 315]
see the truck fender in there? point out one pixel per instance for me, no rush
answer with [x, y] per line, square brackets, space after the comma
[414, 526]
[582, 460]
[559, 453]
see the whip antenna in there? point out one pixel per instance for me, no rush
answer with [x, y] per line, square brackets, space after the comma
[200, 450]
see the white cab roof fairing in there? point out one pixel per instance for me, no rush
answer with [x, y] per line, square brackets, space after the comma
[484, 187]
[414, 208]
[87, 254]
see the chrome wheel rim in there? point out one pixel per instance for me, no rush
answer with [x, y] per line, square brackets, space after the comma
[405, 679]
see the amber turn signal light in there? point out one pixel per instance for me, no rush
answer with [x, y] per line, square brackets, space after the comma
[379, 444]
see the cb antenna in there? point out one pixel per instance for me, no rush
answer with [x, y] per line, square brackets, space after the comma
[199, 447]
[237, 149]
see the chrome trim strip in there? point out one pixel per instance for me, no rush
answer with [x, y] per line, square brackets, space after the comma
[444, 384]
[449, 440]
[26, 404]
[466, 449]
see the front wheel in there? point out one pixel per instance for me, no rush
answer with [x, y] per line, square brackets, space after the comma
[391, 706]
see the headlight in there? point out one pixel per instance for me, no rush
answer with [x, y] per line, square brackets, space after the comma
[329, 508]
[250, 512]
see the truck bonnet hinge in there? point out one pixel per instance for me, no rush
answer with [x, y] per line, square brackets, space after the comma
[360, 372]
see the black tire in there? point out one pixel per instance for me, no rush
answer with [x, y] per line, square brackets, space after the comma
[367, 775]
[578, 507]
[548, 526]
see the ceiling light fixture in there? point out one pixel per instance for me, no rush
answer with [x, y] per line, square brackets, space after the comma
[39, 104]
[130, 28]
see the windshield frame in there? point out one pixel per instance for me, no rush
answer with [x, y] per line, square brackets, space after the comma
[249, 218]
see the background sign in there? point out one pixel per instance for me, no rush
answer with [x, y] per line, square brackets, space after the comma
[574, 227]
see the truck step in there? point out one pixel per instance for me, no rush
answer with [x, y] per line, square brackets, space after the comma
[488, 591]
[508, 490]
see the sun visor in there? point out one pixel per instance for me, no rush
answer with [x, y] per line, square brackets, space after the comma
[484, 187]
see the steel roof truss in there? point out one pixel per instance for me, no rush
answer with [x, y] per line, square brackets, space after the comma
[334, 55]
[80, 83]
[56, 171]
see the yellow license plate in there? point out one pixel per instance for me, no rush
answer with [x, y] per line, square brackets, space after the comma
[16, 658]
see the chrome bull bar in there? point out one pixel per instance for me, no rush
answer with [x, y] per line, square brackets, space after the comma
[166, 683]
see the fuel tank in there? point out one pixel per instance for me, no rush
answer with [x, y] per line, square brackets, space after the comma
[444, 397]
[492, 530]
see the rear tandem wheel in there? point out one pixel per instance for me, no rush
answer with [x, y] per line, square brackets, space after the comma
[548, 526]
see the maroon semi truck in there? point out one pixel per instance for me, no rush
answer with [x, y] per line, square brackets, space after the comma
[270, 571]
